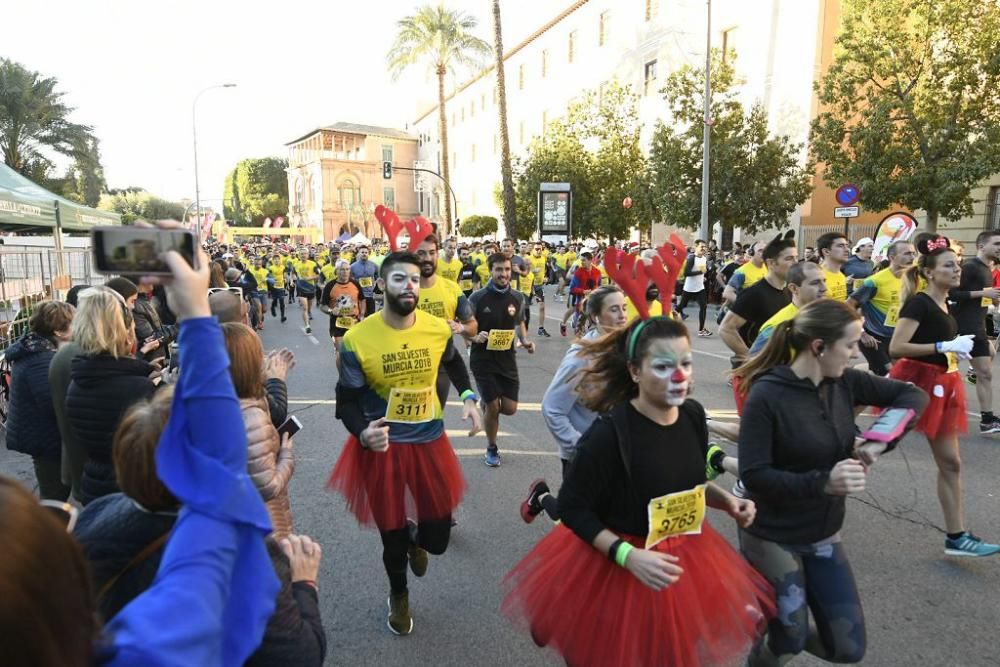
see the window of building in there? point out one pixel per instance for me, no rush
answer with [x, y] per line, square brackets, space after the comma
[472, 109]
[482, 102]
[993, 208]
[728, 43]
[386, 152]
[520, 77]
[545, 63]
[389, 198]
[454, 159]
[652, 9]
[463, 114]
[473, 152]
[349, 194]
[649, 77]
[572, 46]
[520, 132]
[603, 28]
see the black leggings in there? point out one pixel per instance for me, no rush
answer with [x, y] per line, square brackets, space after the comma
[806, 578]
[278, 300]
[702, 299]
[432, 536]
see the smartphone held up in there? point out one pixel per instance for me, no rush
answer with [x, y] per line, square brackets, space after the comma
[140, 250]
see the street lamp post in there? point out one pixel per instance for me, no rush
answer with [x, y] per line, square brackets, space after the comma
[194, 135]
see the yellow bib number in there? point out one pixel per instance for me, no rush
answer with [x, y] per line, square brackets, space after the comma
[410, 406]
[344, 322]
[892, 317]
[986, 302]
[365, 282]
[466, 285]
[952, 362]
[500, 340]
[678, 513]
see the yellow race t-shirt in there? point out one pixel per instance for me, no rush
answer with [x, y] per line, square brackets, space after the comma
[751, 274]
[526, 282]
[655, 309]
[397, 370]
[836, 285]
[483, 271]
[277, 272]
[329, 271]
[441, 300]
[449, 270]
[260, 275]
[305, 269]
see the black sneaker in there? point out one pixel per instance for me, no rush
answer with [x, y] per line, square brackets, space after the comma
[562, 328]
[543, 332]
[992, 426]
[417, 556]
[530, 506]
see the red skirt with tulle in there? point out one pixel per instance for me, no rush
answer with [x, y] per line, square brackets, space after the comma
[945, 412]
[421, 481]
[593, 612]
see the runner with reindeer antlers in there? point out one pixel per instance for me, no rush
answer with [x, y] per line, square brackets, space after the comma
[668, 589]
[397, 469]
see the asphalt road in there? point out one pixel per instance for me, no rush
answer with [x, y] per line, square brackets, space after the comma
[922, 608]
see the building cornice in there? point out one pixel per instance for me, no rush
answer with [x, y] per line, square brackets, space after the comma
[510, 54]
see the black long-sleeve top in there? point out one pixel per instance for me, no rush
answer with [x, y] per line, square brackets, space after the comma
[792, 433]
[600, 492]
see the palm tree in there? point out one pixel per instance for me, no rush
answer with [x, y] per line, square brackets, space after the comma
[33, 116]
[441, 38]
[509, 203]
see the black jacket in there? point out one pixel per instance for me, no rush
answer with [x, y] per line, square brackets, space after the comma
[31, 420]
[113, 530]
[277, 400]
[101, 389]
[148, 323]
[792, 433]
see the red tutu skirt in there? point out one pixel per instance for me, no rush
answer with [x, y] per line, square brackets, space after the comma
[421, 481]
[593, 612]
[945, 413]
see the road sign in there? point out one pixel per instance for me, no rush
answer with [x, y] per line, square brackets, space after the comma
[847, 195]
[846, 212]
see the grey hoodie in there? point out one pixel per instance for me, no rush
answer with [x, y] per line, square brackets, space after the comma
[566, 418]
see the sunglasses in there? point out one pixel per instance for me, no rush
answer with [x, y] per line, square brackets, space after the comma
[238, 291]
[64, 512]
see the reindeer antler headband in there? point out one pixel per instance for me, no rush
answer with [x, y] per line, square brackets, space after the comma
[633, 277]
[419, 228]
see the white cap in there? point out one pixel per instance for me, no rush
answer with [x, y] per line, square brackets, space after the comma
[863, 242]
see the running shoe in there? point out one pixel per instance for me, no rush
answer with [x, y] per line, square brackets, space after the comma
[969, 546]
[704, 333]
[284, 319]
[400, 622]
[530, 506]
[992, 426]
[308, 330]
[739, 490]
[562, 328]
[418, 556]
[543, 332]
[492, 457]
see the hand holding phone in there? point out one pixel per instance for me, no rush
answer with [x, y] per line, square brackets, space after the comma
[291, 426]
[141, 250]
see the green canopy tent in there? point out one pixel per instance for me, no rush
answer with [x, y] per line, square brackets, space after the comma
[28, 207]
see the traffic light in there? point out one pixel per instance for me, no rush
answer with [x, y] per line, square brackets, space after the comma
[387, 170]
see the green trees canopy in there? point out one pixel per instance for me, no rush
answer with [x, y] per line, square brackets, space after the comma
[256, 189]
[756, 180]
[137, 204]
[912, 108]
[478, 225]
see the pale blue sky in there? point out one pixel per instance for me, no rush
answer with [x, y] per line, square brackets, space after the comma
[132, 68]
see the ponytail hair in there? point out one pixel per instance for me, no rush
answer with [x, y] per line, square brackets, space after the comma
[607, 381]
[823, 319]
[929, 248]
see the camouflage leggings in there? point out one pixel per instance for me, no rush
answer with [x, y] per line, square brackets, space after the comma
[808, 577]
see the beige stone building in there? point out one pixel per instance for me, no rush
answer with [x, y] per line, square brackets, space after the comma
[335, 178]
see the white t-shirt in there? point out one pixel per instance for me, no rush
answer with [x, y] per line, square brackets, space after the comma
[696, 283]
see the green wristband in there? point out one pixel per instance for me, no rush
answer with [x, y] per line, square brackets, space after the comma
[467, 394]
[623, 551]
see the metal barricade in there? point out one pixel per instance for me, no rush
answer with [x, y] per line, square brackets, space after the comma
[24, 282]
[856, 232]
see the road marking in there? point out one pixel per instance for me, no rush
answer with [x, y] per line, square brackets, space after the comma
[460, 433]
[516, 452]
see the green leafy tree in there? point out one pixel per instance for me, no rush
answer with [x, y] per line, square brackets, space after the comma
[441, 39]
[478, 225]
[596, 149]
[89, 174]
[33, 118]
[256, 189]
[911, 111]
[755, 180]
[137, 204]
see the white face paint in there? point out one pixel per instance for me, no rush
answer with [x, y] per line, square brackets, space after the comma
[402, 286]
[675, 372]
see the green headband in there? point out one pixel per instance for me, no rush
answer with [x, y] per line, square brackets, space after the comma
[634, 336]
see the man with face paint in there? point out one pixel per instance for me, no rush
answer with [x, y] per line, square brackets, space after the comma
[398, 470]
[632, 472]
[365, 272]
[444, 299]
[499, 312]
